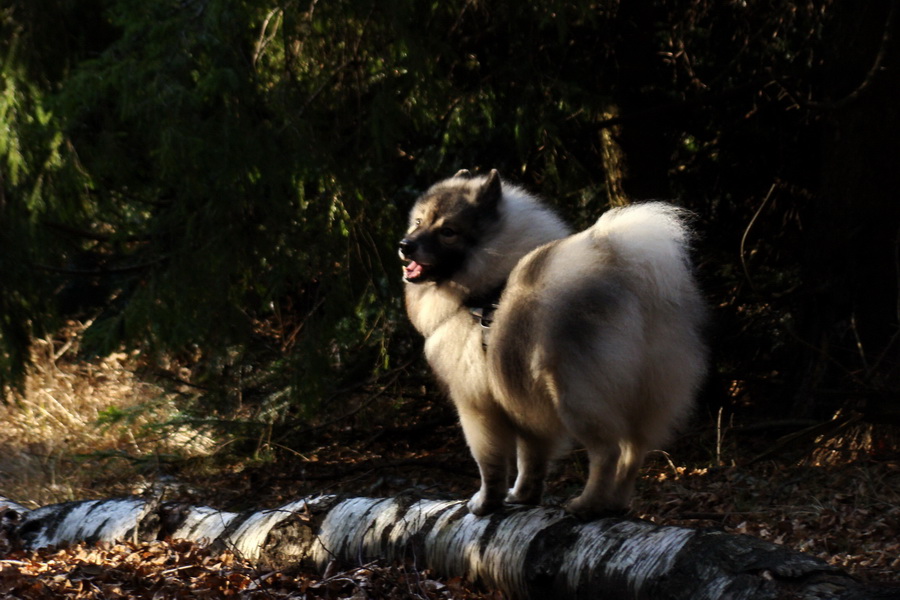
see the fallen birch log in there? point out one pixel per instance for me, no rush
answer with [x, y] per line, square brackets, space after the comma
[524, 552]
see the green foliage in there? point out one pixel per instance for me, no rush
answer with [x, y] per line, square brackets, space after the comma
[221, 183]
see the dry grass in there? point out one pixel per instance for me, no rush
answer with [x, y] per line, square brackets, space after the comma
[61, 441]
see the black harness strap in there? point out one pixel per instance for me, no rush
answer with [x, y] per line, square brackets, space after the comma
[482, 309]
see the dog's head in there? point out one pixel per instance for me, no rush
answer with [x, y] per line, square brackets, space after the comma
[446, 222]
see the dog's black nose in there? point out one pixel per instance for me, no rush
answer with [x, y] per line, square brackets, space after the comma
[407, 246]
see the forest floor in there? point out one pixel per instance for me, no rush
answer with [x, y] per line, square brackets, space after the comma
[88, 431]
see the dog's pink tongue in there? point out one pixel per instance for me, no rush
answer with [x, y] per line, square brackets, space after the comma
[413, 270]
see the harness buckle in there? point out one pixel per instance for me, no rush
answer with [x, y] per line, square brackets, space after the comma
[484, 316]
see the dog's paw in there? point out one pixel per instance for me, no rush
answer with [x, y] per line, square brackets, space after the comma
[479, 505]
[514, 497]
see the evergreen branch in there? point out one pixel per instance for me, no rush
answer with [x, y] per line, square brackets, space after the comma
[95, 235]
[99, 272]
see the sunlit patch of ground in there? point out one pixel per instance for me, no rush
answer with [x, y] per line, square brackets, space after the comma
[83, 428]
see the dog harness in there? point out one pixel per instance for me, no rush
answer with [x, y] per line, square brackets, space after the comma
[482, 309]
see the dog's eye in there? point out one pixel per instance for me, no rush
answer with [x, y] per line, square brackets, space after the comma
[447, 232]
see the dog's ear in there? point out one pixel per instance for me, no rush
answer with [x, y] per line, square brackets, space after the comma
[490, 192]
[464, 173]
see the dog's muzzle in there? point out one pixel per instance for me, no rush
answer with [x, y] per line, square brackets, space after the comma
[413, 271]
[407, 247]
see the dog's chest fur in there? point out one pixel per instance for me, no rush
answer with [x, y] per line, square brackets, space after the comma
[453, 342]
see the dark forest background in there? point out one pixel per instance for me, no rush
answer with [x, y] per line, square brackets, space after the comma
[220, 185]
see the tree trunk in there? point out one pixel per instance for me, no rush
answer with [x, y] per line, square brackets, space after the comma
[524, 552]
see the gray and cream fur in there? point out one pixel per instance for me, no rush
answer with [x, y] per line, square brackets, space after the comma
[596, 340]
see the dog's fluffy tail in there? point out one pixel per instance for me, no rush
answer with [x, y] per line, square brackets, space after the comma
[652, 238]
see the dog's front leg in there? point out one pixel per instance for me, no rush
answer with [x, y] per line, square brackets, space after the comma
[492, 440]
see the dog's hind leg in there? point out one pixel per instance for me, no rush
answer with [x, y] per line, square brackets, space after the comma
[600, 492]
[631, 459]
[613, 471]
[532, 458]
[492, 441]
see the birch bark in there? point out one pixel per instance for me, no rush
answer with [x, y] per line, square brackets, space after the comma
[524, 552]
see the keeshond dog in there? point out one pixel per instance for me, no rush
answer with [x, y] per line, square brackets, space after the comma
[595, 339]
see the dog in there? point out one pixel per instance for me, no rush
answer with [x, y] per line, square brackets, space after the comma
[594, 337]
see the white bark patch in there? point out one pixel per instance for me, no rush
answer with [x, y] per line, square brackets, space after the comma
[203, 524]
[411, 527]
[7, 504]
[100, 520]
[647, 556]
[502, 560]
[629, 552]
[352, 524]
[455, 546]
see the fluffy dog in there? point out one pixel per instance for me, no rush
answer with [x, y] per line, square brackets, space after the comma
[595, 339]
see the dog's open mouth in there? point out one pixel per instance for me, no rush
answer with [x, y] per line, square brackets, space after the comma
[415, 272]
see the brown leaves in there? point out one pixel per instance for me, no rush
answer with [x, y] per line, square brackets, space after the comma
[847, 515]
[154, 570]
[182, 570]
